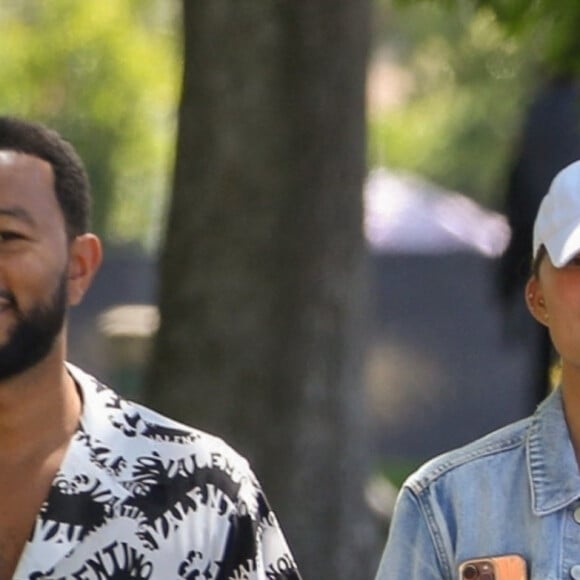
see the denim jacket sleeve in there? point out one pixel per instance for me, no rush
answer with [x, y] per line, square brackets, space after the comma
[412, 551]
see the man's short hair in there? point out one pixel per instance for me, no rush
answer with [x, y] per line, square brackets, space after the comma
[71, 182]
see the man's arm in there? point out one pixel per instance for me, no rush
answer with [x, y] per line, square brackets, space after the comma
[256, 548]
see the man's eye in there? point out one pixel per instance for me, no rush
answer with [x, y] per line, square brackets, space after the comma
[9, 236]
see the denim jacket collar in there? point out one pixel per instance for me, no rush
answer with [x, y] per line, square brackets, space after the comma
[552, 465]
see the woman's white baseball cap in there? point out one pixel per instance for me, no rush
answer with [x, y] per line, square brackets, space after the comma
[557, 225]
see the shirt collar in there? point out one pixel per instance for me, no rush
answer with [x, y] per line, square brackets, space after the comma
[552, 465]
[81, 468]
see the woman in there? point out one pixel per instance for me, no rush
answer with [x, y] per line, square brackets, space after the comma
[517, 490]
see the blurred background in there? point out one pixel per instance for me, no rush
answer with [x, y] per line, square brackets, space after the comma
[317, 219]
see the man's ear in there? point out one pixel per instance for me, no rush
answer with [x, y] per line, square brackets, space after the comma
[84, 260]
[535, 301]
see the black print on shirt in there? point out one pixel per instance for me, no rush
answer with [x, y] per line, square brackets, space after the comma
[117, 561]
[283, 569]
[165, 493]
[74, 509]
[195, 567]
[142, 497]
[131, 423]
[240, 554]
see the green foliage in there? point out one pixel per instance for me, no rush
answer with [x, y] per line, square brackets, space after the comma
[554, 22]
[104, 73]
[468, 81]
[397, 470]
[548, 27]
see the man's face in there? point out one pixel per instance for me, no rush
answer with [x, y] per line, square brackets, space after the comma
[34, 263]
[34, 333]
[554, 300]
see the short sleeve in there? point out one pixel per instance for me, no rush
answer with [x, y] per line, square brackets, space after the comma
[256, 548]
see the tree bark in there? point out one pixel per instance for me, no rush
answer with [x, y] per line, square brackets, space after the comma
[263, 274]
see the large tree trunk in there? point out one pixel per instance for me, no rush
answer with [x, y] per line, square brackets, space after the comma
[263, 269]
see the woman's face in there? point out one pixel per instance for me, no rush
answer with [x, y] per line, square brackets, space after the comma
[553, 298]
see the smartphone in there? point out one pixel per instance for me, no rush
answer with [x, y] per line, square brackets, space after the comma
[506, 567]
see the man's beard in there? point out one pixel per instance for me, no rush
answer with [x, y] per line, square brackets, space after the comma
[34, 333]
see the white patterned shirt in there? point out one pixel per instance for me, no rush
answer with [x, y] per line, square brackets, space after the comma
[140, 496]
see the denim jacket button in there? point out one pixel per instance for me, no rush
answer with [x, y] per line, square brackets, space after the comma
[575, 572]
[577, 515]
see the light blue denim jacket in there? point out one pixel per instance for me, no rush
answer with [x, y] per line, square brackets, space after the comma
[516, 490]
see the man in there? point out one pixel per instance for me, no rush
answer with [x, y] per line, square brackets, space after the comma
[549, 140]
[512, 497]
[93, 486]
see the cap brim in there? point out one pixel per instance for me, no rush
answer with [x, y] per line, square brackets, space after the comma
[564, 245]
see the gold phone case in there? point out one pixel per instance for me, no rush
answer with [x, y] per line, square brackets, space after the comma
[505, 567]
